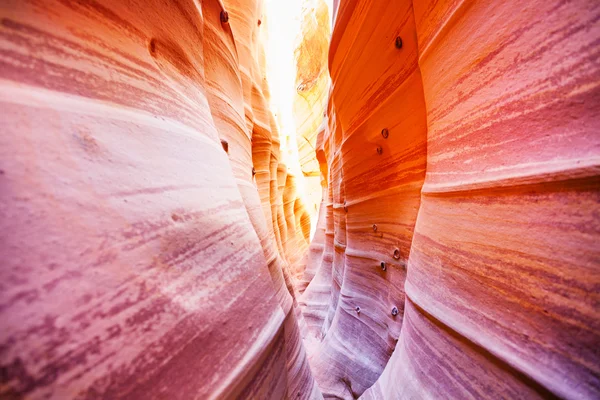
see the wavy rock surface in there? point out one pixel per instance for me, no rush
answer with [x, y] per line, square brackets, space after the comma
[481, 197]
[156, 245]
[376, 157]
[141, 260]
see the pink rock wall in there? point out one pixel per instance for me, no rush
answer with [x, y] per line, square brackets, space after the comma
[487, 184]
[141, 260]
[154, 243]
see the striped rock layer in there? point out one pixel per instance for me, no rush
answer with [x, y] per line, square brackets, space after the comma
[462, 153]
[144, 206]
[155, 246]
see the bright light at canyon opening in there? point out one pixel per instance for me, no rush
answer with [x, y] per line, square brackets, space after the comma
[282, 36]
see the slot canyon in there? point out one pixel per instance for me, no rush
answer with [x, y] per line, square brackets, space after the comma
[300, 199]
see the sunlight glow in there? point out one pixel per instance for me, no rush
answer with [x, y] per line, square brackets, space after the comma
[283, 20]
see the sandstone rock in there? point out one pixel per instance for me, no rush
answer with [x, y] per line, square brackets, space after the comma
[156, 245]
[139, 258]
[503, 267]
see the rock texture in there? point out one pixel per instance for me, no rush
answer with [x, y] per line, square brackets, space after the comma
[141, 259]
[375, 148]
[155, 244]
[481, 197]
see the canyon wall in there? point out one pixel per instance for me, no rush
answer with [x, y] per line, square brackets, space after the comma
[144, 206]
[155, 244]
[461, 254]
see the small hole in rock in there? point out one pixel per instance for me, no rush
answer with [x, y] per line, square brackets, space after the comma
[152, 46]
[399, 42]
[224, 16]
[176, 217]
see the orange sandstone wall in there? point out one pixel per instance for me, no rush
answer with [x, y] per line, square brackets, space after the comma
[140, 259]
[376, 152]
[154, 244]
[481, 198]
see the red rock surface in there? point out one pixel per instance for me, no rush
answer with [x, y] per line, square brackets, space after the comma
[155, 245]
[488, 185]
[140, 260]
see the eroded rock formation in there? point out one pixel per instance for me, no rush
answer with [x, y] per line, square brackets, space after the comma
[155, 243]
[462, 156]
[141, 259]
